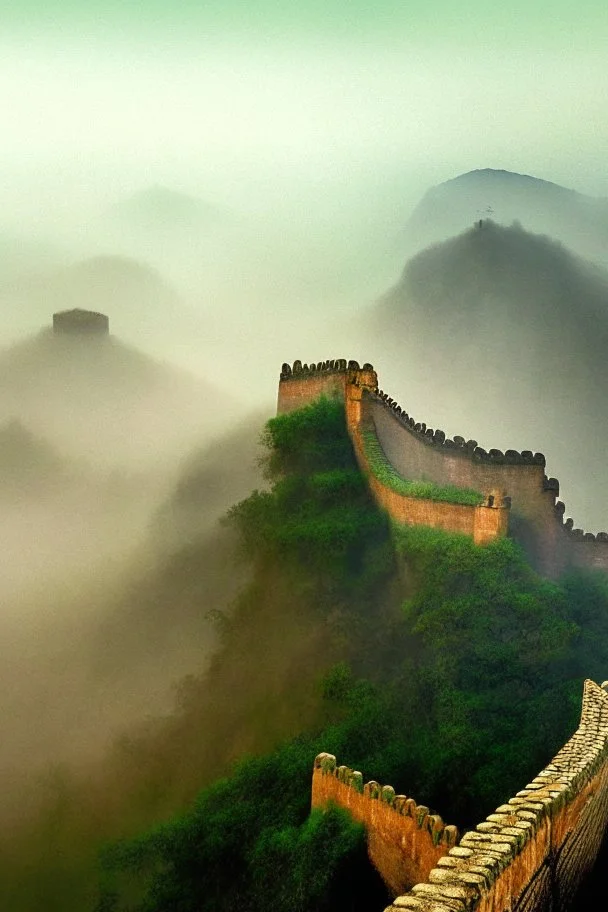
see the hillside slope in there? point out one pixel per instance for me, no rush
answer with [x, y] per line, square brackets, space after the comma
[105, 401]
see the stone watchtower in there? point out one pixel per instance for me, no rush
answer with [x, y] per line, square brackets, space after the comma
[81, 322]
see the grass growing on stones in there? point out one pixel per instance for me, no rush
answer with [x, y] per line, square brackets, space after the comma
[427, 490]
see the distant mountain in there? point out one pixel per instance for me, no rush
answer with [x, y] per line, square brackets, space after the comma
[97, 280]
[138, 296]
[540, 206]
[164, 210]
[501, 335]
[212, 479]
[176, 232]
[99, 399]
[26, 459]
[143, 303]
[19, 256]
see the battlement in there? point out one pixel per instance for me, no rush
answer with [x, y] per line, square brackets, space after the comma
[468, 448]
[517, 496]
[303, 383]
[405, 841]
[530, 855]
[533, 852]
[337, 366]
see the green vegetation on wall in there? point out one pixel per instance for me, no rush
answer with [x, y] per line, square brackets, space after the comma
[426, 490]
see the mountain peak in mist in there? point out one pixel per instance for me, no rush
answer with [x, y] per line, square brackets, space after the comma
[108, 403]
[493, 175]
[159, 206]
[543, 207]
[22, 454]
[505, 332]
[100, 279]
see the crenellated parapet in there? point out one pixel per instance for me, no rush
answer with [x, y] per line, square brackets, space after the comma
[468, 448]
[335, 366]
[300, 384]
[544, 501]
[405, 840]
[533, 852]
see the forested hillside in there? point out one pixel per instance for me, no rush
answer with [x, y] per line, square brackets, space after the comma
[451, 671]
[500, 335]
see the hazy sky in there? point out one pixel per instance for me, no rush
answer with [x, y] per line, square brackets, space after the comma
[264, 103]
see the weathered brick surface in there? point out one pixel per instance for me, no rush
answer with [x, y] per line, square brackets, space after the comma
[533, 514]
[482, 523]
[298, 393]
[532, 853]
[404, 841]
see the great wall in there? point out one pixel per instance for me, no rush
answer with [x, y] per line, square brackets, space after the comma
[532, 854]
[517, 497]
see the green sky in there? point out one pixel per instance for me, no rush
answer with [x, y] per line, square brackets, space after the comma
[435, 21]
[248, 101]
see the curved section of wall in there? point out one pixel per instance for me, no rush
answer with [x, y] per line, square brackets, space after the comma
[537, 518]
[404, 840]
[483, 523]
[458, 446]
[418, 452]
[531, 855]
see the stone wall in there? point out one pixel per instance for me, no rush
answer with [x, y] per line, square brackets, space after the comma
[416, 451]
[302, 384]
[483, 523]
[404, 840]
[302, 391]
[531, 855]
[536, 516]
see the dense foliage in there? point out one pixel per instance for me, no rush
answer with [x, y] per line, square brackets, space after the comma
[429, 490]
[250, 838]
[451, 671]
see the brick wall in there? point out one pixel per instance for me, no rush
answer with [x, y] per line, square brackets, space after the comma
[533, 518]
[302, 384]
[482, 523]
[300, 392]
[532, 853]
[536, 517]
[404, 840]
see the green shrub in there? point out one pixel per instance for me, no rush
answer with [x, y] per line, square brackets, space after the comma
[311, 439]
[248, 842]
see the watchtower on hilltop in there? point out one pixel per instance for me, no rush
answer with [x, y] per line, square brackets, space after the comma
[81, 323]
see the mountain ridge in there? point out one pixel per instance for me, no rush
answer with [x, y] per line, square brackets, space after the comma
[545, 207]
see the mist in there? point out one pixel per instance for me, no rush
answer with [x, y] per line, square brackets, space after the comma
[235, 188]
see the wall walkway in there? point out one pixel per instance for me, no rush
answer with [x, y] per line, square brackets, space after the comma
[529, 856]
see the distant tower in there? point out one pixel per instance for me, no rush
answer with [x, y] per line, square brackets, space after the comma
[81, 322]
